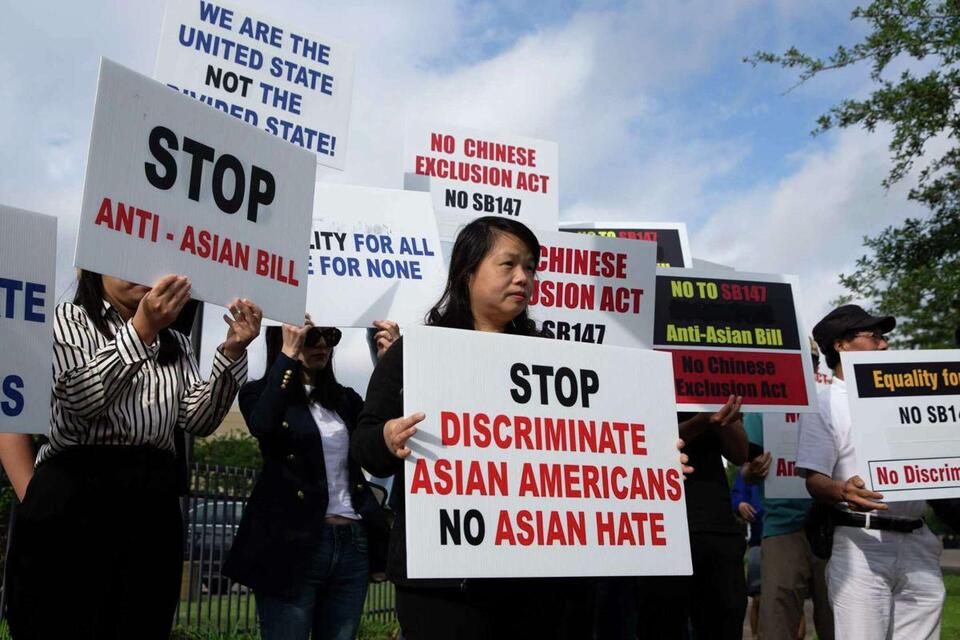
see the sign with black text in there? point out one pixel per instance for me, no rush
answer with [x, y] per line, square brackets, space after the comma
[472, 173]
[293, 84]
[539, 458]
[174, 187]
[374, 255]
[781, 437]
[673, 248]
[28, 253]
[594, 289]
[905, 421]
[733, 333]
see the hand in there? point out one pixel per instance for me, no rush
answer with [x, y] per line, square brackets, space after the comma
[747, 512]
[388, 333]
[396, 432]
[243, 327]
[161, 306]
[684, 459]
[728, 413]
[294, 337]
[758, 468]
[858, 497]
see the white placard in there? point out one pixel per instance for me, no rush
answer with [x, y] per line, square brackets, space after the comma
[276, 77]
[28, 253]
[374, 255]
[471, 173]
[174, 187]
[547, 448]
[595, 289]
[905, 421]
[673, 247]
[781, 436]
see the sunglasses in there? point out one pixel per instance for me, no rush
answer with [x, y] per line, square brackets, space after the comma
[330, 336]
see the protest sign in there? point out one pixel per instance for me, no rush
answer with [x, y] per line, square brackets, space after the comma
[595, 289]
[472, 173]
[781, 436]
[539, 458]
[28, 252]
[280, 79]
[673, 248]
[905, 421]
[734, 333]
[174, 187]
[374, 255]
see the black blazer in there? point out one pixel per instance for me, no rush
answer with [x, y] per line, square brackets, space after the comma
[279, 528]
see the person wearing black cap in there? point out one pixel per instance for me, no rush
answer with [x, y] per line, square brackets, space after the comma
[883, 577]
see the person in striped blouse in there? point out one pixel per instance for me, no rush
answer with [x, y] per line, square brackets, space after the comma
[98, 548]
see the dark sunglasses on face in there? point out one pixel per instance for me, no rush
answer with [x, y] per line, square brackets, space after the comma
[330, 336]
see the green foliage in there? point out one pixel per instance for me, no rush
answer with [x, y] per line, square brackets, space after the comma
[234, 450]
[911, 271]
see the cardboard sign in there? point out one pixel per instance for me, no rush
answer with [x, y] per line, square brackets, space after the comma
[905, 421]
[280, 79]
[174, 187]
[673, 247]
[374, 255]
[539, 458]
[28, 252]
[472, 173]
[781, 437]
[593, 289]
[734, 333]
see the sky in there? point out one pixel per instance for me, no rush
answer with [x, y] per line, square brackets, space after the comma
[656, 116]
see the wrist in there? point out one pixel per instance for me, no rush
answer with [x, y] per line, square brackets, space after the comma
[291, 352]
[144, 329]
[232, 351]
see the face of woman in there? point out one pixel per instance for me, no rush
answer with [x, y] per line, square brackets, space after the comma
[124, 295]
[316, 357]
[502, 284]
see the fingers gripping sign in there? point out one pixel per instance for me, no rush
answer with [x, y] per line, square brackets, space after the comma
[387, 333]
[243, 324]
[161, 305]
[396, 432]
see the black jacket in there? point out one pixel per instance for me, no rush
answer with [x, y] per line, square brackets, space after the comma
[288, 504]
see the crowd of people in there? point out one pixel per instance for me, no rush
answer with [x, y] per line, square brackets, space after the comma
[315, 529]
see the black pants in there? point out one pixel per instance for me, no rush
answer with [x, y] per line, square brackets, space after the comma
[498, 610]
[713, 600]
[98, 548]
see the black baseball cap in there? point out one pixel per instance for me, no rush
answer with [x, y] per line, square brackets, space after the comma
[845, 319]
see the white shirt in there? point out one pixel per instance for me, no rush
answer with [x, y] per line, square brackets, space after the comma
[336, 448]
[826, 445]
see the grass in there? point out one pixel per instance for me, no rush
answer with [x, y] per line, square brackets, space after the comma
[951, 609]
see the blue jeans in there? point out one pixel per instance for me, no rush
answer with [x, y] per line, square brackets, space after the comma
[329, 601]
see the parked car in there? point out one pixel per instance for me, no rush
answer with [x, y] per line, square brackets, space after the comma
[211, 525]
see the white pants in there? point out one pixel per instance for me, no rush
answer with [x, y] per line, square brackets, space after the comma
[885, 584]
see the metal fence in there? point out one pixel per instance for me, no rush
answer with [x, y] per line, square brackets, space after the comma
[212, 513]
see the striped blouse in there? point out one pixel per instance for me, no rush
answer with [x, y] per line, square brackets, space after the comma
[113, 392]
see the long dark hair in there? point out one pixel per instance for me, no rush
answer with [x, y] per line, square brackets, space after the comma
[326, 392]
[473, 243]
[90, 296]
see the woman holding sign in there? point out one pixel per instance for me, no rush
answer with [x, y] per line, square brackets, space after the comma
[98, 549]
[312, 527]
[491, 277]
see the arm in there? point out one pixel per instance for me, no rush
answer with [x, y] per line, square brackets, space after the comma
[85, 379]
[204, 403]
[384, 403]
[17, 456]
[264, 404]
[728, 425]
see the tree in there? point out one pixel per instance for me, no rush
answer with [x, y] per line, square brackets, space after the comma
[911, 271]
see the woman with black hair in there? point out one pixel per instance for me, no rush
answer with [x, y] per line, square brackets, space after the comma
[307, 538]
[98, 549]
[491, 278]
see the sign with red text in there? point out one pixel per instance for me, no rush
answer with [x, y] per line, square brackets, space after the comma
[595, 289]
[174, 187]
[539, 458]
[733, 333]
[905, 421]
[28, 253]
[673, 247]
[279, 78]
[781, 436]
[472, 173]
[374, 255]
